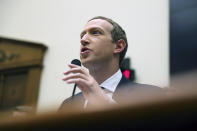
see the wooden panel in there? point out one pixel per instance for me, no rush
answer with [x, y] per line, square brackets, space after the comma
[17, 54]
[33, 81]
[14, 86]
[20, 70]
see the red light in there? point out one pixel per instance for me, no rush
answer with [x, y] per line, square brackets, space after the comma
[127, 73]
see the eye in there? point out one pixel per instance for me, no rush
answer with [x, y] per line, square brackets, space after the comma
[96, 32]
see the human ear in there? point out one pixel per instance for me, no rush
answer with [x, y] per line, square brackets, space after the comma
[119, 46]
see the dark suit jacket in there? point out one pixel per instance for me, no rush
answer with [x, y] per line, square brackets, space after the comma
[125, 86]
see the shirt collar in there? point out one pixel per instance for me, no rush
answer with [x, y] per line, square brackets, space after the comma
[112, 82]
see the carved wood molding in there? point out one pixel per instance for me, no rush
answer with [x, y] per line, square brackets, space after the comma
[20, 53]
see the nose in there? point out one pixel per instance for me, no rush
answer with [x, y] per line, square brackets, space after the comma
[84, 40]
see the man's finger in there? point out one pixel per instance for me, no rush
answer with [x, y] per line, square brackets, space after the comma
[78, 69]
[73, 66]
[73, 70]
[75, 76]
[77, 81]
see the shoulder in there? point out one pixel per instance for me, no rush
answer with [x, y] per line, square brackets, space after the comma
[129, 90]
[78, 98]
[125, 83]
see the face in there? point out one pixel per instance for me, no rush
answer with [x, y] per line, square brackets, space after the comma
[96, 42]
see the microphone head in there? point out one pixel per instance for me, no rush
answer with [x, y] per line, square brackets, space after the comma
[76, 62]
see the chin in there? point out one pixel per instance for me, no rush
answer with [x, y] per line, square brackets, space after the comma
[87, 62]
[84, 62]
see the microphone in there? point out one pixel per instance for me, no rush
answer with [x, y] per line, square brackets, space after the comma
[75, 62]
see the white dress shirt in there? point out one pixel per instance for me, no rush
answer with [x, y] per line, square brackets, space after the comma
[110, 85]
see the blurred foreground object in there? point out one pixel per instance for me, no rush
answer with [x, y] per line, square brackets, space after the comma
[176, 110]
[23, 111]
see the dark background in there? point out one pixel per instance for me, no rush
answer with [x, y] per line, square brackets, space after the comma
[183, 36]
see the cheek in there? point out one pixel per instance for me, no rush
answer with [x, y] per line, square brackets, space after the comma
[104, 50]
[103, 46]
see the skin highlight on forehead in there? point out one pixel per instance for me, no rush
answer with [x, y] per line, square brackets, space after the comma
[98, 23]
[103, 23]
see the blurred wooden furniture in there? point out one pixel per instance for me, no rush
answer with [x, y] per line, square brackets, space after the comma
[20, 70]
[177, 111]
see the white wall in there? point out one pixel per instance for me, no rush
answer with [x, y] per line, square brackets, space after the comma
[58, 23]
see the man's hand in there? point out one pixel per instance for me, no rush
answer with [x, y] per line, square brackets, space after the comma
[87, 84]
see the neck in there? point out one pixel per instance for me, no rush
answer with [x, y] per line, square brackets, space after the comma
[103, 71]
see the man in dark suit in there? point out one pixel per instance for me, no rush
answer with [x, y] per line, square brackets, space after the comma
[103, 47]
